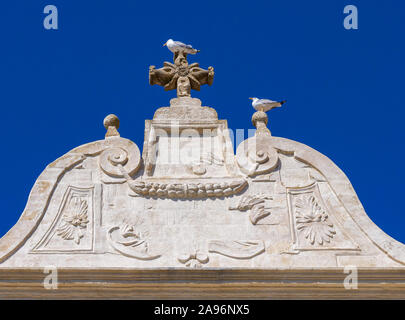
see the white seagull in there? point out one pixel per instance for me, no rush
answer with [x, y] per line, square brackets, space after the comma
[175, 46]
[266, 104]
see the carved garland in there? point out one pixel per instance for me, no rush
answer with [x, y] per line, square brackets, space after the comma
[187, 190]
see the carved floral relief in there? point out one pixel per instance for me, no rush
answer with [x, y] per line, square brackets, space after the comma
[74, 220]
[313, 221]
[72, 228]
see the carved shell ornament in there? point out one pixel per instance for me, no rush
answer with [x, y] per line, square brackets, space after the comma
[312, 221]
[74, 221]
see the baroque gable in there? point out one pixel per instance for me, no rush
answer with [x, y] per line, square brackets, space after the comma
[190, 201]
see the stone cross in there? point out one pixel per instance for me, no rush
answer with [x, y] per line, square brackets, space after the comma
[180, 75]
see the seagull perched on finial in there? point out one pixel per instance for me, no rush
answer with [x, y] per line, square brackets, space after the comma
[176, 46]
[266, 104]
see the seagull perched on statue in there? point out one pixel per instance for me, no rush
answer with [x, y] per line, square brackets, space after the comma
[266, 104]
[176, 46]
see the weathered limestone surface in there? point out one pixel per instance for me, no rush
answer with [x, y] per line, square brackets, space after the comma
[190, 219]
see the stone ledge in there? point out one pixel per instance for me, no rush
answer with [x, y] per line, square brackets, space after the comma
[203, 284]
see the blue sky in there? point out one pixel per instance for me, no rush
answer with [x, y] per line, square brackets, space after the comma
[344, 87]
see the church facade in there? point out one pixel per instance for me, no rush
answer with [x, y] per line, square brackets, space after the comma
[190, 217]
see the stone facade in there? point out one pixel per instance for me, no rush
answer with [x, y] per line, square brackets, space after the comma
[188, 218]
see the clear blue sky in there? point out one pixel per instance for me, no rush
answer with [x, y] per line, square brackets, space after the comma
[344, 87]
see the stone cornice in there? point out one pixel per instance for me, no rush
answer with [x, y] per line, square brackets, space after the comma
[121, 283]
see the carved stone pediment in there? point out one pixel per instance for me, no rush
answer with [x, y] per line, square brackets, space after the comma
[189, 202]
[103, 202]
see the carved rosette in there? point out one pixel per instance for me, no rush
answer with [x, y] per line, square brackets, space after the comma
[312, 220]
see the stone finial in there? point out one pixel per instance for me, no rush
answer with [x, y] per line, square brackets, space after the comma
[111, 123]
[180, 75]
[260, 120]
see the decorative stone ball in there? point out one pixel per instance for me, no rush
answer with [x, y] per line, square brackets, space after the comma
[259, 116]
[111, 121]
